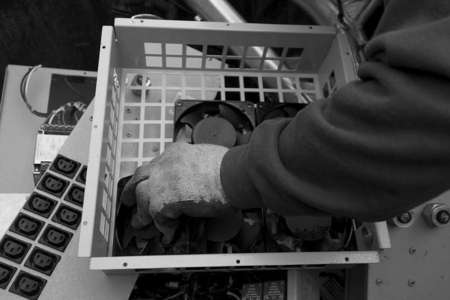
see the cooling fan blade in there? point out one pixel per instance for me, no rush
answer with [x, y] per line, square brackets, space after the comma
[191, 119]
[231, 115]
[214, 130]
[213, 122]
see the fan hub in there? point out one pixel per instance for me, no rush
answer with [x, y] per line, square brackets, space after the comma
[214, 130]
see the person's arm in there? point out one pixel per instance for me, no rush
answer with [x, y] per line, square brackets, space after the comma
[378, 147]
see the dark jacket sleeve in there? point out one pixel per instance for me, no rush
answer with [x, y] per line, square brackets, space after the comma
[378, 147]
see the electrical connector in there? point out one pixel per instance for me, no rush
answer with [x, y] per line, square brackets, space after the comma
[82, 176]
[40, 205]
[42, 261]
[26, 226]
[55, 238]
[75, 195]
[6, 274]
[52, 185]
[65, 166]
[13, 249]
[28, 286]
[67, 216]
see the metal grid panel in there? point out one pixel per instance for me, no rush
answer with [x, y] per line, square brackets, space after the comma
[147, 106]
[160, 62]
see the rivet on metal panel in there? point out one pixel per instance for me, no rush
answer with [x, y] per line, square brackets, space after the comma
[437, 214]
[378, 281]
[403, 220]
[411, 282]
[443, 217]
[412, 250]
[85, 223]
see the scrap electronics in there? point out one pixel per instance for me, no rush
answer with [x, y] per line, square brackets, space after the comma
[197, 82]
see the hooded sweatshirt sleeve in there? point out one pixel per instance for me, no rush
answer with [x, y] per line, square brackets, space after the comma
[377, 147]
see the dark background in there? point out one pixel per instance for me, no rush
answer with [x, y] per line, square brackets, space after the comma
[66, 33]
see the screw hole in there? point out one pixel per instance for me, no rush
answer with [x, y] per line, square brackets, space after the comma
[85, 223]
[347, 259]
[103, 47]
[125, 264]
[238, 261]
[310, 27]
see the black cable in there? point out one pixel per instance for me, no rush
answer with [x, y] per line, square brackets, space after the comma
[24, 96]
[340, 8]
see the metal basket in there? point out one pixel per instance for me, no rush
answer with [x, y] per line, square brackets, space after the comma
[145, 65]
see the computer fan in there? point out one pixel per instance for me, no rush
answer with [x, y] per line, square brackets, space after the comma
[214, 122]
[267, 110]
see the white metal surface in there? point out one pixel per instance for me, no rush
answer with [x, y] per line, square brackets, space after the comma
[133, 123]
[294, 259]
[72, 278]
[19, 127]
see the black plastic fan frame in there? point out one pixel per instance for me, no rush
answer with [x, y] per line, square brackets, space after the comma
[192, 111]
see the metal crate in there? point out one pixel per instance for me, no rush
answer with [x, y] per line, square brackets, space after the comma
[132, 119]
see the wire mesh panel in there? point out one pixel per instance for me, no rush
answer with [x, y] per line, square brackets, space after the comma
[158, 62]
[148, 99]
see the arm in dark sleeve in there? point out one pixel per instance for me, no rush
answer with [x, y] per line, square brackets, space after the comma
[378, 147]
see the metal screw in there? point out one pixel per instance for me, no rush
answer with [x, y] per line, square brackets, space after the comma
[405, 218]
[179, 104]
[443, 217]
[412, 250]
[128, 110]
[128, 134]
[378, 281]
[411, 282]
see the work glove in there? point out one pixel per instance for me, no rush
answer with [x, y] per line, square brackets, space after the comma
[184, 180]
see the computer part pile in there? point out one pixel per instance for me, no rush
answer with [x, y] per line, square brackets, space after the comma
[230, 124]
[245, 285]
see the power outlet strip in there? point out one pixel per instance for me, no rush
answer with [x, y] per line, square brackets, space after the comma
[32, 247]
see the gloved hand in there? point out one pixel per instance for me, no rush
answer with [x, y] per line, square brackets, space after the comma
[184, 180]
